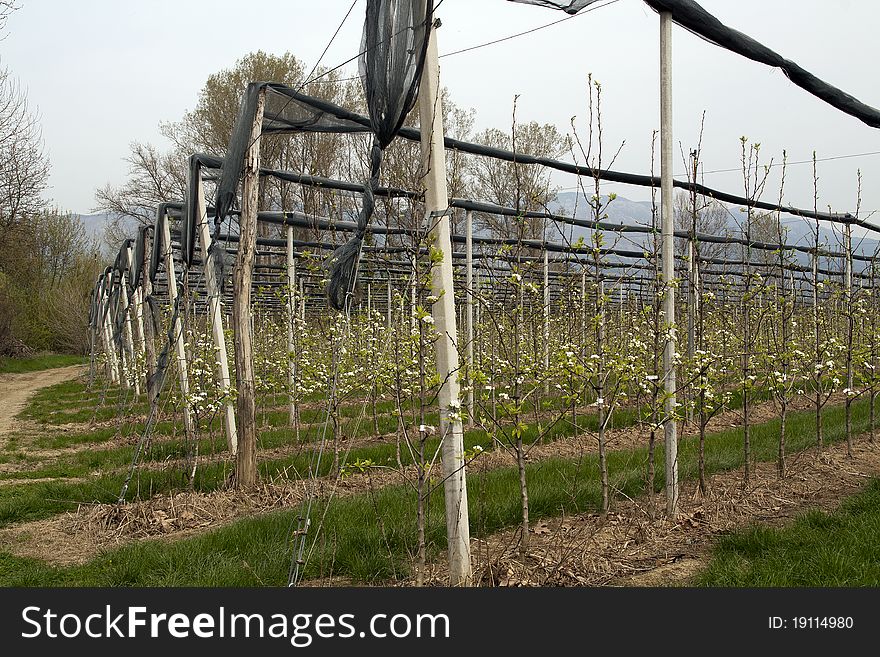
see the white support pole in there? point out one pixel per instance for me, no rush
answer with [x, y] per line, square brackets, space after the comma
[388, 308]
[215, 311]
[107, 332]
[291, 319]
[112, 361]
[443, 311]
[546, 320]
[469, 309]
[149, 327]
[179, 338]
[123, 358]
[128, 339]
[668, 251]
[138, 302]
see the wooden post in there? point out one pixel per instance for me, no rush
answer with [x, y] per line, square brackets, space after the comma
[291, 320]
[215, 310]
[246, 459]
[179, 339]
[668, 251]
[443, 311]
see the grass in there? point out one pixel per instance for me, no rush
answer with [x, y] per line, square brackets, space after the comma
[370, 537]
[105, 466]
[53, 405]
[73, 402]
[818, 549]
[36, 363]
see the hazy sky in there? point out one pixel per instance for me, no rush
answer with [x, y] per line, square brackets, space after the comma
[104, 73]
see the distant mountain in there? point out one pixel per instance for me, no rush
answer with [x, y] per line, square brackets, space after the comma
[626, 211]
[95, 224]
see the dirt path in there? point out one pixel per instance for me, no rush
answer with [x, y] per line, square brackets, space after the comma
[16, 389]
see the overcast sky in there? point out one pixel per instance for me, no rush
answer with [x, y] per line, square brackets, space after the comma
[104, 73]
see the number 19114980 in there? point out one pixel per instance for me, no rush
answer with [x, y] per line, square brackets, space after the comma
[811, 623]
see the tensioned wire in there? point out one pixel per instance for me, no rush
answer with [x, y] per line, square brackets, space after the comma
[318, 77]
[303, 520]
[171, 338]
[469, 48]
[298, 561]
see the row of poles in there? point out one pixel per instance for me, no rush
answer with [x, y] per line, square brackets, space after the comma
[239, 415]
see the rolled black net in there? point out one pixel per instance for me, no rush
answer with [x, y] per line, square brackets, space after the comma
[393, 49]
[691, 16]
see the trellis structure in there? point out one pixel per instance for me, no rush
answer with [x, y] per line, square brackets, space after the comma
[182, 254]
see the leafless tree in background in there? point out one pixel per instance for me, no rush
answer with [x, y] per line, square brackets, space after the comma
[154, 178]
[522, 186]
[24, 168]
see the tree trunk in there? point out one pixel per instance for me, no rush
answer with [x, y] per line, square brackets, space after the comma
[780, 461]
[246, 458]
[523, 491]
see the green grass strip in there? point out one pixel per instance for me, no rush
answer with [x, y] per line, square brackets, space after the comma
[818, 549]
[10, 365]
[371, 537]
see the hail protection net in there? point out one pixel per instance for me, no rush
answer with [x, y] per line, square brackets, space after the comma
[691, 16]
[394, 43]
[393, 48]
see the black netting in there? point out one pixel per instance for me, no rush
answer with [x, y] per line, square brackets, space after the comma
[95, 303]
[190, 219]
[393, 48]
[104, 290]
[395, 40]
[288, 110]
[140, 249]
[568, 7]
[694, 18]
[156, 251]
[285, 110]
[640, 180]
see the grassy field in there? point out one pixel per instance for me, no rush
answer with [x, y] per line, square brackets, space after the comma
[819, 549]
[358, 541]
[41, 362]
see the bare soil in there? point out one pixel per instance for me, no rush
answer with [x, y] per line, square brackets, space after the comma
[636, 545]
